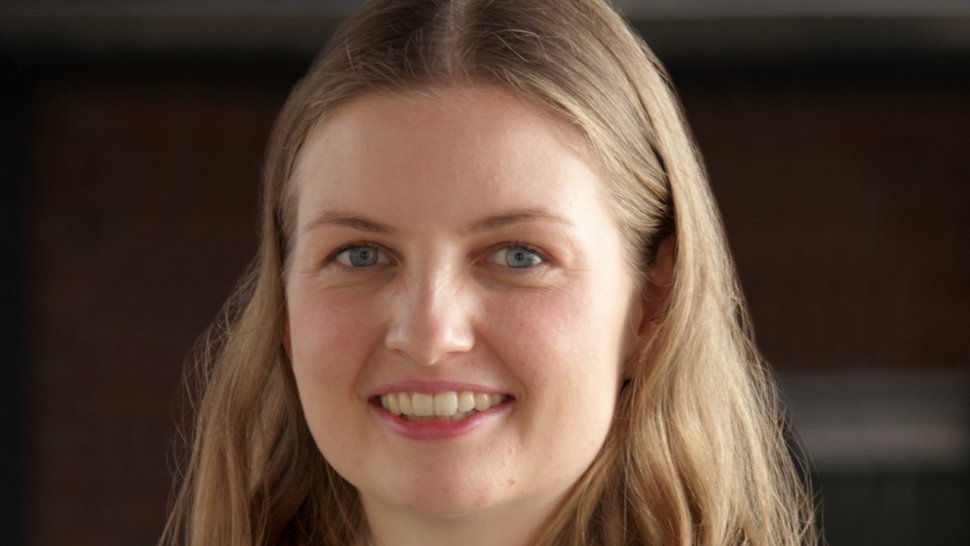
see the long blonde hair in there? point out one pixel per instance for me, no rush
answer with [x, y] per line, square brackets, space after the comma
[696, 454]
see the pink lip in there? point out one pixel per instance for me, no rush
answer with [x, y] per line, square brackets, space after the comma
[438, 429]
[435, 429]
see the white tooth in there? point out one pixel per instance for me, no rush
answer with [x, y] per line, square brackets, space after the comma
[392, 404]
[481, 401]
[404, 402]
[496, 399]
[458, 416]
[384, 401]
[422, 404]
[466, 401]
[445, 403]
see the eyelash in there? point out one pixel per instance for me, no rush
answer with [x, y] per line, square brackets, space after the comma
[543, 257]
[389, 259]
[382, 253]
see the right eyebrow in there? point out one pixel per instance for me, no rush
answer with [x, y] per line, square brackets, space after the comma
[344, 218]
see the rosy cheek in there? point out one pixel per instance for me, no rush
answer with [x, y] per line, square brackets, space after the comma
[535, 328]
[325, 333]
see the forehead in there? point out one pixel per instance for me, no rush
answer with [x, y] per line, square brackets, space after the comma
[447, 145]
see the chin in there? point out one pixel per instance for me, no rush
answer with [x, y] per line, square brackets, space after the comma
[444, 497]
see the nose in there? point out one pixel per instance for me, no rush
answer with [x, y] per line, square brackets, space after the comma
[431, 319]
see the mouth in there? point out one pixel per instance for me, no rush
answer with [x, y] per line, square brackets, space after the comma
[446, 405]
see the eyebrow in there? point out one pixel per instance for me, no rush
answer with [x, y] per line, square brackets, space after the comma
[516, 216]
[496, 221]
[348, 219]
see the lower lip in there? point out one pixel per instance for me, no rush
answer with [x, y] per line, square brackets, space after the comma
[439, 429]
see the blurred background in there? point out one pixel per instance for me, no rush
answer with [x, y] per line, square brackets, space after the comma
[132, 134]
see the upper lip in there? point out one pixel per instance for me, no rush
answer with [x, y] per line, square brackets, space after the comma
[434, 387]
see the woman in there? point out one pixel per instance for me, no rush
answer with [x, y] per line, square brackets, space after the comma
[492, 304]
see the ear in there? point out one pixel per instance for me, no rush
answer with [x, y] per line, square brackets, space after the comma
[660, 276]
[286, 335]
[651, 300]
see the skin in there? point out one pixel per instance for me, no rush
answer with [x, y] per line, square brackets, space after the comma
[440, 185]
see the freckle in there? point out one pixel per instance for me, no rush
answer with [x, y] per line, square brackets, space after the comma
[511, 481]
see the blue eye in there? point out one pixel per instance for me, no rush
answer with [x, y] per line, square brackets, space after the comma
[361, 256]
[517, 257]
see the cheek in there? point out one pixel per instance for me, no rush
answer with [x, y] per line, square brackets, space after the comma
[562, 347]
[328, 352]
[564, 341]
[330, 341]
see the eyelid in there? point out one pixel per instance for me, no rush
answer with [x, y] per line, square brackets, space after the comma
[543, 256]
[388, 256]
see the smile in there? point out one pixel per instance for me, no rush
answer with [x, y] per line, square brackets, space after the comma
[454, 405]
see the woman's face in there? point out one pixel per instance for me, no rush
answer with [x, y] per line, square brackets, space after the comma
[459, 308]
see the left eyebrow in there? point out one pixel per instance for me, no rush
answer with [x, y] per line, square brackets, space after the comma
[516, 216]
